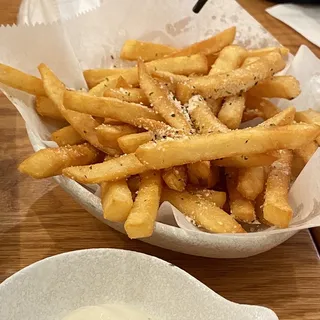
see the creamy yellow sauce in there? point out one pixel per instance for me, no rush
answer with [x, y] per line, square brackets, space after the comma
[107, 312]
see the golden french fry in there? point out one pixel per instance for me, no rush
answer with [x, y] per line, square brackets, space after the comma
[286, 87]
[217, 197]
[66, 136]
[250, 114]
[109, 83]
[249, 60]
[251, 182]
[112, 121]
[51, 161]
[141, 220]
[168, 76]
[246, 161]
[175, 178]
[160, 100]
[241, 208]
[211, 45]
[107, 107]
[159, 128]
[109, 134]
[229, 58]
[116, 200]
[307, 151]
[186, 65]
[203, 118]
[282, 118]
[190, 149]
[276, 209]
[84, 124]
[231, 111]
[309, 116]
[111, 170]
[202, 212]
[46, 108]
[233, 82]
[147, 51]
[261, 52]
[19, 80]
[134, 95]
[265, 106]
[131, 142]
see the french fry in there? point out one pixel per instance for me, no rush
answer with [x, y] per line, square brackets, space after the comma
[168, 76]
[285, 87]
[203, 118]
[309, 116]
[134, 95]
[261, 52]
[202, 212]
[112, 121]
[84, 124]
[265, 106]
[233, 82]
[218, 198]
[111, 170]
[231, 111]
[251, 182]
[276, 209]
[116, 200]
[241, 208]
[175, 178]
[160, 100]
[46, 108]
[66, 136]
[186, 65]
[147, 51]
[307, 151]
[165, 154]
[142, 217]
[159, 128]
[211, 45]
[106, 84]
[19, 80]
[249, 60]
[131, 142]
[51, 161]
[107, 107]
[109, 134]
[229, 58]
[246, 161]
[282, 118]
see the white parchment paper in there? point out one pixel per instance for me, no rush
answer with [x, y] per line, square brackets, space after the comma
[89, 40]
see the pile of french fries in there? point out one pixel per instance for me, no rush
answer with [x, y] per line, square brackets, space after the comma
[168, 130]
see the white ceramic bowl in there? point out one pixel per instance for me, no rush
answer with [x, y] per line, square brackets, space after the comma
[52, 287]
[174, 238]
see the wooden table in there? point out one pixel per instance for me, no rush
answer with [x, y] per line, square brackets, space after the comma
[38, 219]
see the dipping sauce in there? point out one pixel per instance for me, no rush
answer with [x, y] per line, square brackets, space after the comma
[107, 312]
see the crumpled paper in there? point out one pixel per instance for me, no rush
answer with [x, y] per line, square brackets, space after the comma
[305, 19]
[89, 40]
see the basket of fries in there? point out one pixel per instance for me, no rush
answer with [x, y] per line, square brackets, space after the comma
[199, 135]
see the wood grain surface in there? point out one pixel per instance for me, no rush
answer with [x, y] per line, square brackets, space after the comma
[38, 219]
